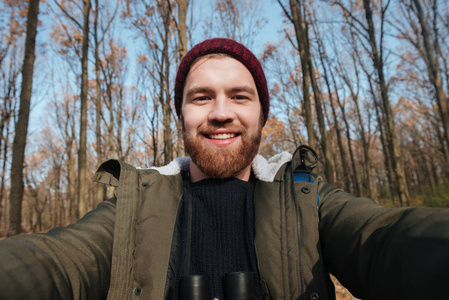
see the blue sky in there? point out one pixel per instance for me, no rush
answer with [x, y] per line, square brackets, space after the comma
[48, 63]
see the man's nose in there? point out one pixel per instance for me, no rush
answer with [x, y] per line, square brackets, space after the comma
[222, 110]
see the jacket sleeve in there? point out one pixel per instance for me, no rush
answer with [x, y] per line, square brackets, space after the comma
[382, 252]
[72, 262]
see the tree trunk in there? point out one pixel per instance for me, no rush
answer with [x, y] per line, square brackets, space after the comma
[21, 128]
[329, 169]
[300, 31]
[182, 27]
[119, 118]
[3, 150]
[428, 171]
[2, 184]
[440, 136]
[165, 93]
[155, 134]
[396, 157]
[381, 126]
[182, 35]
[99, 188]
[7, 121]
[82, 151]
[372, 190]
[354, 174]
[324, 62]
[329, 161]
[71, 178]
[385, 149]
[3, 198]
[431, 59]
[369, 180]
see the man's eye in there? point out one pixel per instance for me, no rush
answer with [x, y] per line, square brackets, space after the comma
[240, 97]
[202, 98]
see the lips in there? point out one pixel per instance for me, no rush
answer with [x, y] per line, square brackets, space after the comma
[221, 136]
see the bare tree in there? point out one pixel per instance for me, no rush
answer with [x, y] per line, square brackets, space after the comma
[82, 151]
[239, 20]
[300, 30]
[367, 30]
[63, 114]
[21, 128]
[354, 92]
[421, 29]
[326, 66]
[297, 17]
[79, 41]
[154, 22]
[182, 27]
[11, 51]
[282, 63]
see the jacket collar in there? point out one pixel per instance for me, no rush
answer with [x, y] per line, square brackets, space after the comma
[304, 159]
[264, 169]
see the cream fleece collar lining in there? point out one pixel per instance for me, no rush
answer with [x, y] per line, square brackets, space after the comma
[264, 169]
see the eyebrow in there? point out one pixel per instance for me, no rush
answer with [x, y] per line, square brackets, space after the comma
[243, 88]
[198, 90]
[236, 89]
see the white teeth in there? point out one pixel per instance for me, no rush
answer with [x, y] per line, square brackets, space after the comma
[222, 136]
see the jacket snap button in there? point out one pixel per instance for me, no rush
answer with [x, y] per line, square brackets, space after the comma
[145, 185]
[314, 296]
[137, 291]
[305, 190]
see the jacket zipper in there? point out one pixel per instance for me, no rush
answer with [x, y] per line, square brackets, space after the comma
[298, 225]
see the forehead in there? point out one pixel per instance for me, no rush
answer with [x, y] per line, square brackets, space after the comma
[218, 68]
[212, 55]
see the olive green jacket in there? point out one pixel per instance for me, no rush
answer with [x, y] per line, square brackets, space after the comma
[127, 247]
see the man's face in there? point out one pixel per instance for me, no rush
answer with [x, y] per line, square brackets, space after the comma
[221, 116]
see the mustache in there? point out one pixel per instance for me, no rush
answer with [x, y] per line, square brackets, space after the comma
[211, 128]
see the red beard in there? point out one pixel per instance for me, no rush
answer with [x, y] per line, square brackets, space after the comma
[221, 162]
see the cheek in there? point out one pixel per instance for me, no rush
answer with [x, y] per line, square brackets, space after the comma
[251, 118]
[185, 126]
[193, 116]
[189, 124]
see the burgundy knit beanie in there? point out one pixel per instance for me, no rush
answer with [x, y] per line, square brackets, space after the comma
[233, 49]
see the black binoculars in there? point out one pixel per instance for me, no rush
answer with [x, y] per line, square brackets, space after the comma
[236, 286]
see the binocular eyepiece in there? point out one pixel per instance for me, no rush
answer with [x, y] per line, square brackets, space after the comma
[236, 286]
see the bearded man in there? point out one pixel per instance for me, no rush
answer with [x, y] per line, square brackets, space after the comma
[226, 210]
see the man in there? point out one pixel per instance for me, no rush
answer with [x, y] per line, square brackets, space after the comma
[228, 210]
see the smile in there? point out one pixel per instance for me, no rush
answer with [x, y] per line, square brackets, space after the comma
[222, 136]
